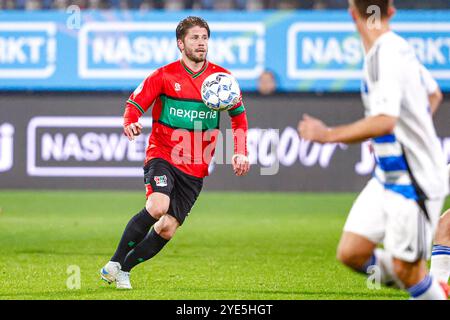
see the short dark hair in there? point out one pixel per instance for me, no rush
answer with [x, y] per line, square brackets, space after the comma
[363, 5]
[188, 23]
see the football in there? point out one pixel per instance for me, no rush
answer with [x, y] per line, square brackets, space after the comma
[220, 91]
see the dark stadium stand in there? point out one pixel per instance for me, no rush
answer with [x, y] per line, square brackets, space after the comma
[206, 4]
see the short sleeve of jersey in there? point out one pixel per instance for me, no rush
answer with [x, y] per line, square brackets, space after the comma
[146, 93]
[428, 81]
[384, 68]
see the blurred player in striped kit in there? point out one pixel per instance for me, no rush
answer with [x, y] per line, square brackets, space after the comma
[440, 257]
[401, 205]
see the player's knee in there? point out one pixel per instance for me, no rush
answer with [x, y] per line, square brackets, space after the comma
[166, 227]
[156, 209]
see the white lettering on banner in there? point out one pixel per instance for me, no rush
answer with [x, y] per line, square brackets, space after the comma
[15, 50]
[367, 163]
[289, 149]
[326, 51]
[27, 50]
[102, 52]
[82, 145]
[6, 147]
[288, 146]
[222, 50]
[141, 50]
[431, 50]
[331, 50]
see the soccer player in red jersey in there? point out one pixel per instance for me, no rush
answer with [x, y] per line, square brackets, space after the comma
[180, 147]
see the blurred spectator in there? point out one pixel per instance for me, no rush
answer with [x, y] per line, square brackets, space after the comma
[267, 83]
[330, 4]
[145, 5]
[254, 5]
[98, 4]
[174, 5]
[7, 4]
[208, 4]
[83, 4]
[33, 5]
[60, 4]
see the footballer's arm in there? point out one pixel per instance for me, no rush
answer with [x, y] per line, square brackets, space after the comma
[239, 126]
[313, 129]
[139, 102]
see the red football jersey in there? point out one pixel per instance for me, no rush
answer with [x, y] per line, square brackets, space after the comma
[184, 130]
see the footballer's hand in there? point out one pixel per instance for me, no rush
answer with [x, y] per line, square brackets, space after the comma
[312, 129]
[241, 164]
[133, 130]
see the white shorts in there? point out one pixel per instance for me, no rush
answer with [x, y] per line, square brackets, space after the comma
[386, 217]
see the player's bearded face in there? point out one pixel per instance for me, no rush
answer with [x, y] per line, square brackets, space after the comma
[196, 44]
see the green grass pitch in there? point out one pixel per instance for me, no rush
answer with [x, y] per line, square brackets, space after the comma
[232, 246]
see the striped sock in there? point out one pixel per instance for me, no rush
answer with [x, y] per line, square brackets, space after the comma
[440, 263]
[427, 289]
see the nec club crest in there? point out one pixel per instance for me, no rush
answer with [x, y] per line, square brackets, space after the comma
[161, 181]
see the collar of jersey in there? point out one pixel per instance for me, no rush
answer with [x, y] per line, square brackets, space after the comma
[192, 73]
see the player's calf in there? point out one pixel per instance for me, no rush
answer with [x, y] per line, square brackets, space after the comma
[419, 284]
[153, 243]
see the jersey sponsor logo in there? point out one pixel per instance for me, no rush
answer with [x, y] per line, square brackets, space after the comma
[133, 49]
[185, 114]
[161, 181]
[177, 86]
[6, 147]
[318, 51]
[27, 50]
[192, 114]
[83, 146]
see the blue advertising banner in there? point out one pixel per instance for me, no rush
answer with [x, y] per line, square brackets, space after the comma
[115, 50]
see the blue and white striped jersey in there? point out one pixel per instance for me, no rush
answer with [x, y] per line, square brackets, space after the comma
[410, 161]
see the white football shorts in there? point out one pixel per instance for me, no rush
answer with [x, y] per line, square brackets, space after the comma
[388, 218]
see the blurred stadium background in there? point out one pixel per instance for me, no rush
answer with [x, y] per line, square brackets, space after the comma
[66, 69]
